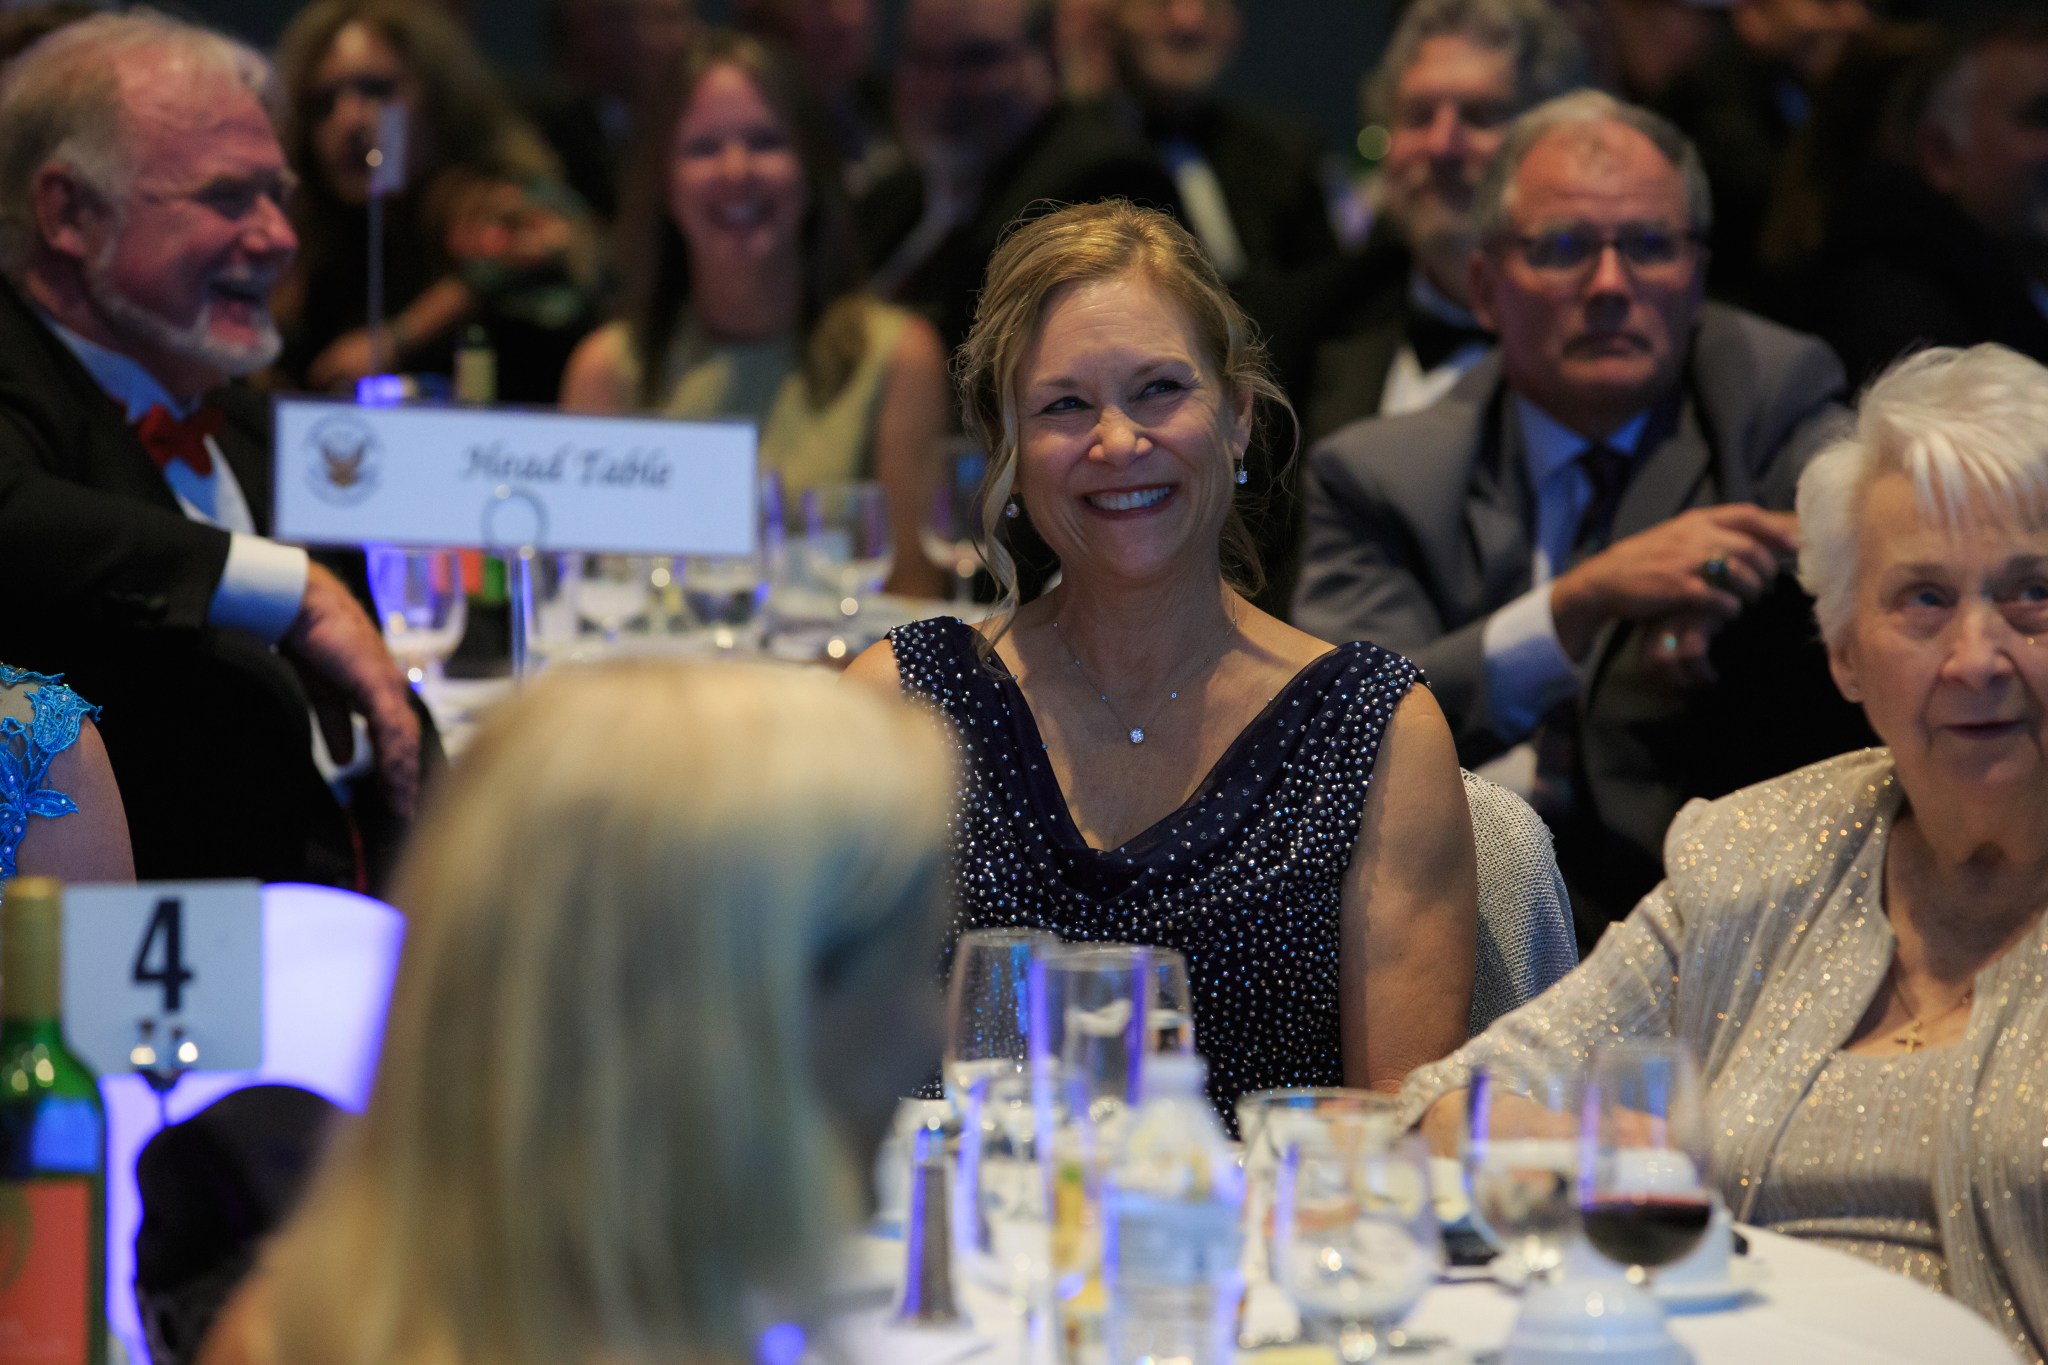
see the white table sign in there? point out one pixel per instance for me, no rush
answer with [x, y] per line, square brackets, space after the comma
[499, 478]
[173, 967]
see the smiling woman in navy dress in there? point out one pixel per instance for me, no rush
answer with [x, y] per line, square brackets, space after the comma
[1148, 756]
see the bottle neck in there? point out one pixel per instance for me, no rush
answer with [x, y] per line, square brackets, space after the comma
[31, 983]
[47, 1030]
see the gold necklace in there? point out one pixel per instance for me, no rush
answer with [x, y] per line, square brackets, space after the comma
[1912, 1037]
[1136, 733]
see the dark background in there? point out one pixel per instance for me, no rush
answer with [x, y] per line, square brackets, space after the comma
[1301, 56]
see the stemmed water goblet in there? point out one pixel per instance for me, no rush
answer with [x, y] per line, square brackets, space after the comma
[1522, 1157]
[1355, 1237]
[999, 1214]
[421, 606]
[848, 544]
[613, 591]
[952, 524]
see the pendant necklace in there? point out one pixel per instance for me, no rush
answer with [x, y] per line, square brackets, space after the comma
[1912, 1036]
[1136, 733]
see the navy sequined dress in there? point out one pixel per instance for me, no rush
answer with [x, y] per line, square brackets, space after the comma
[1245, 878]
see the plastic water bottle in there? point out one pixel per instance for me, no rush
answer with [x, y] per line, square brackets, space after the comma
[1171, 1212]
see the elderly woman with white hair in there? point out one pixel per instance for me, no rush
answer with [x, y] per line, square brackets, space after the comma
[1856, 951]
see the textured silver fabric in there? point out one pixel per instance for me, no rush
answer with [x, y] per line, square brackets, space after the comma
[1855, 1169]
[1762, 948]
[1526, 943]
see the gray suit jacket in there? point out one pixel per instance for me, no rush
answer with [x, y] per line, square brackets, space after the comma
[1419, 528]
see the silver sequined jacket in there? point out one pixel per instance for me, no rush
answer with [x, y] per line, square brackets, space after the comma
[1763, 947]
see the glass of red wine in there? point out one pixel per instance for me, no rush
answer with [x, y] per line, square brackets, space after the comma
[1644, 1200]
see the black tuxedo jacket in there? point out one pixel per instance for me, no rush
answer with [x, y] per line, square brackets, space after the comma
[1419, 528]
[1077, 154]
[108, 583]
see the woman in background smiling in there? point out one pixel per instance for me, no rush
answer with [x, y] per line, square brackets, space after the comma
[744, 299]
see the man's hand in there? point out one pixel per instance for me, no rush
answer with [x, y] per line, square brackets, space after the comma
[1675, 650]
[347, 666]
[1656, 573]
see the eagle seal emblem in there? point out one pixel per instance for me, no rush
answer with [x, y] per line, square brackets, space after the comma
[346, 459]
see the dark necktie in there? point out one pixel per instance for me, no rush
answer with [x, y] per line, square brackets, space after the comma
[169, 438]
[1607, 469]
[1557, 793]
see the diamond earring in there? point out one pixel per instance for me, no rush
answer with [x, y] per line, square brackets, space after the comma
[1243, 477]
[1010, 509]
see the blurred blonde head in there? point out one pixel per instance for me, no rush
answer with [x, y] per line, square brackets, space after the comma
[1097, 242]
[1969, 428]
[670, 958]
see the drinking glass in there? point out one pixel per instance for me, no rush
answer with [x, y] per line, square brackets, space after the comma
[613, 591]
[1522, 1157]
[1170, 1023]
[848, 544]
[1645, 1203]
[725, 594]
[1089, 1007]
[988, 1011]
[421, 606]
[1269, 1122]
[1002, 1224]
[953, 521]
[1355, 1240]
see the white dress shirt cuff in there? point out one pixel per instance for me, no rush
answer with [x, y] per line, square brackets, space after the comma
[1527, 670]
[260, 589]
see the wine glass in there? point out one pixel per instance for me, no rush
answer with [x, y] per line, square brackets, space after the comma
[953, 521]
[725, 594]
[1355, 1240]
[1645, 1202]
[848, 543]
[1270, 1122]
[421, 606]
[1522, 1157]
[613, 591]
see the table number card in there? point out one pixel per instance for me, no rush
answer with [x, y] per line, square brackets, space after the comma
[164, 976]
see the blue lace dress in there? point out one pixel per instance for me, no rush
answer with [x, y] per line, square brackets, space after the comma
[1246, 878]
[27, 748]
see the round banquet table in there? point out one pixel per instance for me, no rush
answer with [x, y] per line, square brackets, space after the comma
[1810, 1304]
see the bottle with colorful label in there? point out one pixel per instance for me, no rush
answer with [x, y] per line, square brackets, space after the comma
[53, 1150]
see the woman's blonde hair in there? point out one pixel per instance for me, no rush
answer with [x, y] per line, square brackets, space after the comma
[595, 1131]
[1969, 428]
[1069, 246]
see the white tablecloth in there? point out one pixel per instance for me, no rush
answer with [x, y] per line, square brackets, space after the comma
[1812, 1307]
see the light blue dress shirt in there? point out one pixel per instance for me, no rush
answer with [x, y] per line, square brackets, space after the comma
[1527, 670]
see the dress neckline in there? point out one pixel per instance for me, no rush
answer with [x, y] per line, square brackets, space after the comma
[1069, 834]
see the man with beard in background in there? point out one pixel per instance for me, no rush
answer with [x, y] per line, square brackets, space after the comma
[142, 227]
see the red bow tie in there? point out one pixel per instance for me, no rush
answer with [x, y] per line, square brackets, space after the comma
[168, 438]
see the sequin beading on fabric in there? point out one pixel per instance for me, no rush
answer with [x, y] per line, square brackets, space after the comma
[27, 749]
[1245, 878]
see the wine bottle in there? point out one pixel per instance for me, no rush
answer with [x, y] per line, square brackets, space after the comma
[53, 1149]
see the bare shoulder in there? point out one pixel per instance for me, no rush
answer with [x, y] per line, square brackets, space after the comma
[918, 346]
[601, 372]
[875, 667]
[90, 844]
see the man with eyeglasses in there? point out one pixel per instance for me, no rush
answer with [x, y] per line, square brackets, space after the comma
[1584, 544]
[977, 105]
[142, 227]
